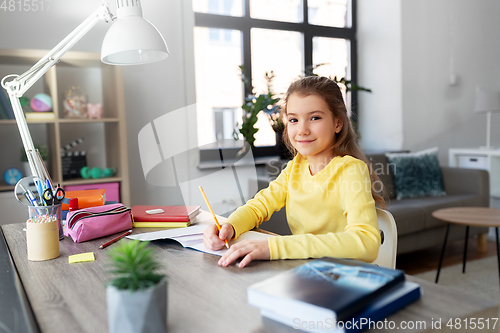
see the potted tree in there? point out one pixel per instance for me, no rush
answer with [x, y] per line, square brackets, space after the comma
[137, 296]
[253, 104]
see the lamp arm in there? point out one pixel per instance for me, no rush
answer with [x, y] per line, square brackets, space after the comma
[21, 83]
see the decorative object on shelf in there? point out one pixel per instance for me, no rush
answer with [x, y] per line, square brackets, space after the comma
[143, 44]
[255, 103]
[12, 175]
[41, 103]
[75, 103]
[73, 161]
[487, 102]
[44, 154]
[137, 297]
[94, 111]
[96, 172]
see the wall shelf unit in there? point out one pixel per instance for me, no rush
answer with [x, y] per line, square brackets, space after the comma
[105, 139]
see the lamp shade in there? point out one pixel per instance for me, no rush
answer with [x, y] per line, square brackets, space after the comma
[487, 101]
[132, 40]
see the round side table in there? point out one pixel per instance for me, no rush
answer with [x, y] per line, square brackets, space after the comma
[469, 217]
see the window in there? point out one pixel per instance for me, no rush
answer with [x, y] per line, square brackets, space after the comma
[287, 37]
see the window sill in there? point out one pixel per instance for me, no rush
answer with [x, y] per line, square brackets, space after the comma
[224, 155]
[217, 164]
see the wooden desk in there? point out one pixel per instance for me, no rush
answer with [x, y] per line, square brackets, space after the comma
[71, 298]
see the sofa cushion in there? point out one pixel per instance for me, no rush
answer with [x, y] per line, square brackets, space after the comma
[416, 174]
[380, 166]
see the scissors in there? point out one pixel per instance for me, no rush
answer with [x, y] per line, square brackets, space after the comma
[54, 197]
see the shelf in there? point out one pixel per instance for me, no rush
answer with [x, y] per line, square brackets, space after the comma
[61, 121]
[4, 187]
[81, 181]
[106, 138]
[79, 120]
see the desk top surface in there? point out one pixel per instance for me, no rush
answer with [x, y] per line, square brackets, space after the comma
[72, 298]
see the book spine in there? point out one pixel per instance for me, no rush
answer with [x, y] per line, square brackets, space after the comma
[383, 312]
[160, 224]
[6, 105]
[163, 218]
[3, 113]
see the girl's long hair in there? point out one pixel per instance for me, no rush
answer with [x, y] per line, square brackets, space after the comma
[345, 140]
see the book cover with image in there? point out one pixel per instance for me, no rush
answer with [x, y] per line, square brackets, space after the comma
[325, 288]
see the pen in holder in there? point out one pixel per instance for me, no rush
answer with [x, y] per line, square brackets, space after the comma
[42, 232]
[40, 201]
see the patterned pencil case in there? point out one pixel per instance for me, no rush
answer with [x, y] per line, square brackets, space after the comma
[95, 222]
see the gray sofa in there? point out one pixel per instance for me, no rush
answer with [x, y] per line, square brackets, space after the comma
[417, 229]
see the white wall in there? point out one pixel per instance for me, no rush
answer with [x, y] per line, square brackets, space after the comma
[410, 68]
[379, 67]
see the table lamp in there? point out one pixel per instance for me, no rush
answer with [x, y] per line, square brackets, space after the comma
[487, 102]
[131, 40]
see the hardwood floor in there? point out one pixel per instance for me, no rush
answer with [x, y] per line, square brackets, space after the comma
[428, 259]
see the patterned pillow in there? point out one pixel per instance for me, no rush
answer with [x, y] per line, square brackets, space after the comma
[416, 174]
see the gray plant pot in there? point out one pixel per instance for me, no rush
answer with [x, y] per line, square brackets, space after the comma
[137, 312]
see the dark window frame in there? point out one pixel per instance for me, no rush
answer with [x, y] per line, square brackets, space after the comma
[245, 23]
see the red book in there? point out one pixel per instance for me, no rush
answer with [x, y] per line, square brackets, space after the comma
[169, 214]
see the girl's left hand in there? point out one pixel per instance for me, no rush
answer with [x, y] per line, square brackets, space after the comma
[249, 249]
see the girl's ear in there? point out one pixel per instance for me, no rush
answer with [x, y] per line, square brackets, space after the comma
[338, 125]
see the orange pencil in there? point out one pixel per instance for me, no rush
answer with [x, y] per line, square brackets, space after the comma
[213, 214]
[115, 239]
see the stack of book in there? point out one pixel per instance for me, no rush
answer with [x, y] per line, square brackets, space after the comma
[333, 295]
[39, 116]
[164, 216]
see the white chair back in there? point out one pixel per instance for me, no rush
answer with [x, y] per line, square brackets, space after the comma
[389, 233]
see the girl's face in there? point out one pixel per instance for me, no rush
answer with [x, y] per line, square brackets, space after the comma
[311, 126]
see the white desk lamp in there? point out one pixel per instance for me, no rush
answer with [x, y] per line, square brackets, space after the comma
[487, 102]
[131, 40]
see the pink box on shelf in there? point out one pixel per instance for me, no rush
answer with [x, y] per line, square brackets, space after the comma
[112, 189]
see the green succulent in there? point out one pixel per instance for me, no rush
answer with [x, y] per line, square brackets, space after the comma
[135, 266]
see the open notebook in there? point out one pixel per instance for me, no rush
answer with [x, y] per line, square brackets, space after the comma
[192, 237]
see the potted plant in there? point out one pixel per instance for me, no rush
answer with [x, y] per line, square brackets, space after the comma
[137, 296]
[44, 154]
[253, 104]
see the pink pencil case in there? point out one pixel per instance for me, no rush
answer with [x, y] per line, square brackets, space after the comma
[95, 222]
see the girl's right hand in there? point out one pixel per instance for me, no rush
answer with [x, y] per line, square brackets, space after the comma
[213, 239]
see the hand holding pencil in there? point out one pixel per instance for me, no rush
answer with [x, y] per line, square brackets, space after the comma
[213, 214]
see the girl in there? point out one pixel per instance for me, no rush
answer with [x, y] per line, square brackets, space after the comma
[327, 188]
